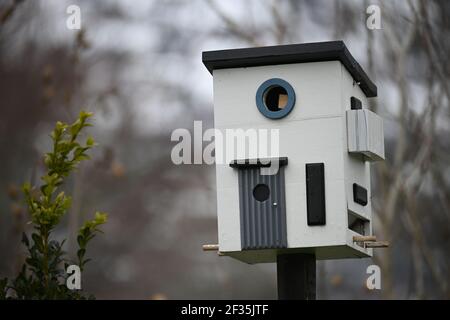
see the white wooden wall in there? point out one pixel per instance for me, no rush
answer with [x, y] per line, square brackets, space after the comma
[314, 131]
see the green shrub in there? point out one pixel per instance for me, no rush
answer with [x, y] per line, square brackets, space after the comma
[43, 274]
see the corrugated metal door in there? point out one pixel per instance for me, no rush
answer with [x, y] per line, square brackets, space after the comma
[262, 209]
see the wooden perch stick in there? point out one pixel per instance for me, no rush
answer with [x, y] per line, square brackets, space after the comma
[210, 247]
[364, 238]
[376, 244]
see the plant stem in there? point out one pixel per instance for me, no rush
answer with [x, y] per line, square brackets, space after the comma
[45, 235]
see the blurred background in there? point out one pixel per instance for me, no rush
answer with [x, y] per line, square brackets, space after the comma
[137, 65]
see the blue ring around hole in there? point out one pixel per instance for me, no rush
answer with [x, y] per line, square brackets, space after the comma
[260, 98]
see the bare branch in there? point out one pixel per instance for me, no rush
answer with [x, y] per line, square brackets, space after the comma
[232, 26]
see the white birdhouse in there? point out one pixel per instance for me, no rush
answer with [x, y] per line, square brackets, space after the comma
[319, 200]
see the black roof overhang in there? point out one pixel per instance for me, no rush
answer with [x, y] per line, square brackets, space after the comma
[292, 53]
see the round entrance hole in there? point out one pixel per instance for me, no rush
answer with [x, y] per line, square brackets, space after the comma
[275, 98]
[261, 192]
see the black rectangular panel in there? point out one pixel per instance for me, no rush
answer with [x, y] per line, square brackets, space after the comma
[258, 163]
[359, 194]
[355, 103]
[315, 194]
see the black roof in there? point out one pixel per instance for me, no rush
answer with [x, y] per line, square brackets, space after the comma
[292, 53]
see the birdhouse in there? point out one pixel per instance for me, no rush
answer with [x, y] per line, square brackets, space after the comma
[315, 97]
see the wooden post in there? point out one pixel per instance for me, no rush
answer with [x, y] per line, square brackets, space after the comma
[296, 276]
